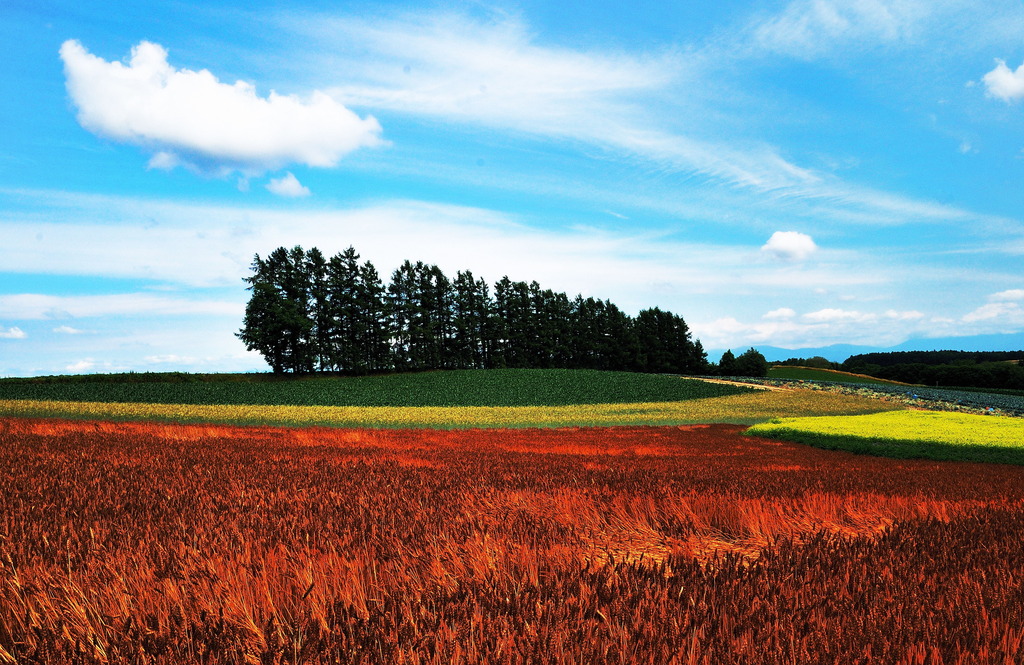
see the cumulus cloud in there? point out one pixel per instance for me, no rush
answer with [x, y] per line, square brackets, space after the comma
[288, 185]
[1007, 296]
[67, 330]
[12, 333]
[910, 315]
[781, 314]
[190, 117]
[790, 246]
[991, 311]
[81, 365]
[1005, 83]
[833, 315]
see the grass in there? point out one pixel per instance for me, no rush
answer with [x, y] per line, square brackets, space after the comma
[457, 388]
[815, 374]
[908, 434]
[745, 409]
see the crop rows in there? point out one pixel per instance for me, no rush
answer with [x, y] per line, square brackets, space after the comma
[934, 435]
[163, 543]
[920, 397]
[508, 387]
[748, 408]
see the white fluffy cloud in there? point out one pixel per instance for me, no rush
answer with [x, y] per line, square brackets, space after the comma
[834, 325]
[288, 185]
[910, 315]
[12, 333]
[790, 246]
[1007, 296]
[67, 330]
[1005, 83]
[190, 117]
[833, 315]
[781, 314]
[1006, 311]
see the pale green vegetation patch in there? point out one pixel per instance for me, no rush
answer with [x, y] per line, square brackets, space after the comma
[928, 434]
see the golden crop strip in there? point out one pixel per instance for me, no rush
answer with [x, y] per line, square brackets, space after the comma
[742, 409]
[930, 426]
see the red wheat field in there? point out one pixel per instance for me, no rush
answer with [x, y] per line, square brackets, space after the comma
[146, 543]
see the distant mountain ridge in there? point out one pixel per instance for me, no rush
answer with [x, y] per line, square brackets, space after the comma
[840, 352]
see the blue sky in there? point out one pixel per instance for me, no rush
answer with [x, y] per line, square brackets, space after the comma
[789, 174]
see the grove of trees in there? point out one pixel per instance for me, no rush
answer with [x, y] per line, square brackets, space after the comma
[309, 313]
[990, 369]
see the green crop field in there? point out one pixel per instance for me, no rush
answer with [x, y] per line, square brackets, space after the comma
[508, 387]
[907, 434]
[814, 374]
[456, 399]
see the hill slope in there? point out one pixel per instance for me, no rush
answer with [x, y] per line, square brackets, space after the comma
[506, 387]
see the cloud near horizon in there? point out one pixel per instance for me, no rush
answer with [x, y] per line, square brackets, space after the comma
[190, 118]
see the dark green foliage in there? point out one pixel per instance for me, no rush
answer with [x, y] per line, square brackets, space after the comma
[310, 314]
[511, 387]
[664, 343]
[727, 365]
[278, 321]
[978, 370]
[751, 363]
[929, 358]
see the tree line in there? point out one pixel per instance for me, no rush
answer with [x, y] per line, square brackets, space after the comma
[955, 369]
[1006, 374]
[945, 357]
[309, 313]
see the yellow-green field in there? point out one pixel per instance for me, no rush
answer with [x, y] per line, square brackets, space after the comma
[930, 434]
[739, 409]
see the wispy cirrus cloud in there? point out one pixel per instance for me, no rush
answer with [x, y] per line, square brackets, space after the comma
[494, 73]
[211, 247]
[27, 306]
[638, 107]
[815, 28]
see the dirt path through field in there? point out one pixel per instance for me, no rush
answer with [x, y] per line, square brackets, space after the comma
[756, 386]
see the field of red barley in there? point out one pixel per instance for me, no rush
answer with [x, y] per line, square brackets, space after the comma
[157, 543]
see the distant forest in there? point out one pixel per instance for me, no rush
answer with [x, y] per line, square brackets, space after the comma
[890, 358]
[979, 369]
[308, 313]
